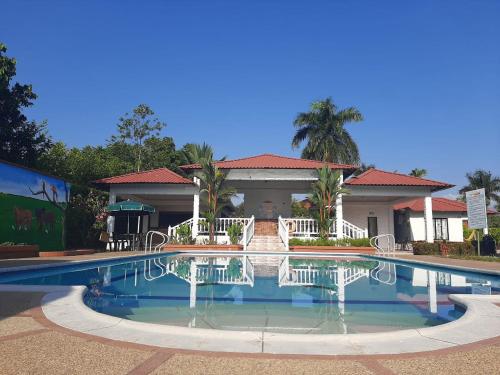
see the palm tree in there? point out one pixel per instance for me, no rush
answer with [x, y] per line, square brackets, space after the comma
[363, 168]
[483, 179]
[217, 195]
[323, 129]
[418, 172]
[193, 153]
[324, 193]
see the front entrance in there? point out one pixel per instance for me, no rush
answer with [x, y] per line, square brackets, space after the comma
[266, 227]
[372, 226]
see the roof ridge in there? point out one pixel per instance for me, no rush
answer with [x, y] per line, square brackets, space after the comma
[406, 175]
[143, 172]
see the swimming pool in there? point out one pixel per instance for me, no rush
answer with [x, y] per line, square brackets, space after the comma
[293, 294]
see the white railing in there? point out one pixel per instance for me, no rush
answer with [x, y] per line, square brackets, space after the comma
[307, 228]
[384, 244]
[248, 232]
[248, 270]
[385, 272]
[221, 225]
[283, 232]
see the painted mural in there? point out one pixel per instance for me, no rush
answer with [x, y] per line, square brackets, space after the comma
[32, 207]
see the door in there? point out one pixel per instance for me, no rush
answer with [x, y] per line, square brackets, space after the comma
[372, 226]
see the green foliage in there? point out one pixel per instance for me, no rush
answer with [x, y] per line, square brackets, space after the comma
[184, 236]
[234, 268]
[418, 172]
[183, 268]
[234, 232]
[495, 233]
[436, 248]
[494, 221]
[137, 128]
[299, 210]
[359, 242]
[483, 179]
[21, 141]
[323, 129]
[424, 248]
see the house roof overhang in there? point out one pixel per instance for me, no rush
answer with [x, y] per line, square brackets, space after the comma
[153, 176]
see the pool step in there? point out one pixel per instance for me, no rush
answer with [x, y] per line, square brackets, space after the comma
[266, 243]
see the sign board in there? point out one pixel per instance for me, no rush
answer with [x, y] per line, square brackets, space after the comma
[476, 209]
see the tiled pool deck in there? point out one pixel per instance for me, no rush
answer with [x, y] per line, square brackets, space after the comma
[30, 343]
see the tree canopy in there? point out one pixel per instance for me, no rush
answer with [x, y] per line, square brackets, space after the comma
[21, 141]
[418, 172]
[323, 130]
[483, 179]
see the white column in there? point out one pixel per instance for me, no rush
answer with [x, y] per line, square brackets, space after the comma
[432, 292]
[196, 208]
[429, 232]
[391, 220]
[110, 222]
[339, 214]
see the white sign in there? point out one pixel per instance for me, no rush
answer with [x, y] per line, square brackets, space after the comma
[476, 209]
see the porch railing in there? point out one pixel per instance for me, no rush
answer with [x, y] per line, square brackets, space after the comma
[221, 225]
[309, 228]
[283, 232]
[248, 232]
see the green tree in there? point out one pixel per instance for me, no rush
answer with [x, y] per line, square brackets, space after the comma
[483, 179]
[21, 141]
[323, 128]
[137, 128]
[161, 153]
[193, 153]
[418, 172]
[363, 168]
[324, 193]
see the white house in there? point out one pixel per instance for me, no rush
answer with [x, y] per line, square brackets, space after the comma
[267, 183]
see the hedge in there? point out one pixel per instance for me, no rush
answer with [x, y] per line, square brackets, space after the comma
[453, 248]
[359, 242]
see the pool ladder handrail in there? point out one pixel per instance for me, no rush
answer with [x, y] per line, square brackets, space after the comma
[148, 245]
[379, 249]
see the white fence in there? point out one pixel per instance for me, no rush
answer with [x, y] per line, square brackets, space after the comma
[309, 228]
[248, 232]
[283, 232]
[221, 226]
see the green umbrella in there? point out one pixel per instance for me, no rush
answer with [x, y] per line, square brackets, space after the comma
[130, 206]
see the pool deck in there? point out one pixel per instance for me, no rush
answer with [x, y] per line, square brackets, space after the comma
[31, 343]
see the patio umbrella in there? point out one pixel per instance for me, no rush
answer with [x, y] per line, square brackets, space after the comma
[129, 208]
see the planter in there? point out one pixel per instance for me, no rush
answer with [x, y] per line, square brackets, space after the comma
[66, 253]
[334, 249]
[175, 248]
[18, 251]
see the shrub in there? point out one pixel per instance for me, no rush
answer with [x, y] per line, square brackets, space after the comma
[359, 242]
[183, 234]
[424, 248]
[488, 247]
[234, 232]
[495, 233]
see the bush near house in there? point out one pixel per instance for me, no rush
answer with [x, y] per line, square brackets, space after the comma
[441, 248]
[360, 242]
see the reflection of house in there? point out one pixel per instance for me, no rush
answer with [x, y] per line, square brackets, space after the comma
[267, 183]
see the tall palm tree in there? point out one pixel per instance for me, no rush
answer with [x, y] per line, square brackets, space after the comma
[483, 179]
[418, 172]
[193, 153]
[323, 129]
[324, 193]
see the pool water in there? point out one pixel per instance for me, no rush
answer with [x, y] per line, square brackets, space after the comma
[291, 294]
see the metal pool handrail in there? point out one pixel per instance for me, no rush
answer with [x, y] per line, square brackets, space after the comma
[376, 243]
[148, 245]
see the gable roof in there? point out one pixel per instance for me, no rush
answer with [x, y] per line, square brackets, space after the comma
[438, 205]
[270, 161]
[376, 177]
[154, 176]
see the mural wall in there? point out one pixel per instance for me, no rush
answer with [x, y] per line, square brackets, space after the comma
[32, 207]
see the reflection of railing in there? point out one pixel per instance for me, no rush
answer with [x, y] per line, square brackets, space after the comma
[248, 270]
[248, 232]
[385, 272]
[283, 231]
[384, 244]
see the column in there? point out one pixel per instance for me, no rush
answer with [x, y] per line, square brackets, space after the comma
[341, 289]
[110, 221]
[192, 286]
[339, 214]
[196, 209]
[429, 230]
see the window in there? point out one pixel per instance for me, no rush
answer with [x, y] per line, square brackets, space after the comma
[372, 226]
[440, 229]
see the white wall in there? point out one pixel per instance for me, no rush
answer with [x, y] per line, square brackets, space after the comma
[268, 204]
[357, 213]
[455, 225]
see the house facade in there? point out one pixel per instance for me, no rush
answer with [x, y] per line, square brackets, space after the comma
[266, 184]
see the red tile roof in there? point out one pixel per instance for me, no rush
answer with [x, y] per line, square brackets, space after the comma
[376, 177]
[154, 176]
[270, 161]
[438, 205]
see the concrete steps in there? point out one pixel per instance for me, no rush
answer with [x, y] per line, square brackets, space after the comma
[265, 243]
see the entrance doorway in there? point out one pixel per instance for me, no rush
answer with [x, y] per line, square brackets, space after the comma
[372, 226]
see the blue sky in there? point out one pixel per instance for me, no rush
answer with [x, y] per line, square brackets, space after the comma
[425, 74]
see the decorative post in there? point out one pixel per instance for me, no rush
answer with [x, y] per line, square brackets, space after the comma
[429, 232]
[110, 221]
[339, 214]
[196, 209]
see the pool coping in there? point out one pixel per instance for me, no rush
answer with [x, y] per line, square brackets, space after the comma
[64, 306]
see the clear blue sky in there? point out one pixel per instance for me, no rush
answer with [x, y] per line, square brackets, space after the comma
[426, 75]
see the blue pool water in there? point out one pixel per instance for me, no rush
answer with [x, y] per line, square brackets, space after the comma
[291, 294]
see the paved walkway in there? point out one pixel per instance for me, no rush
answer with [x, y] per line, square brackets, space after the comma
[494, 266]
